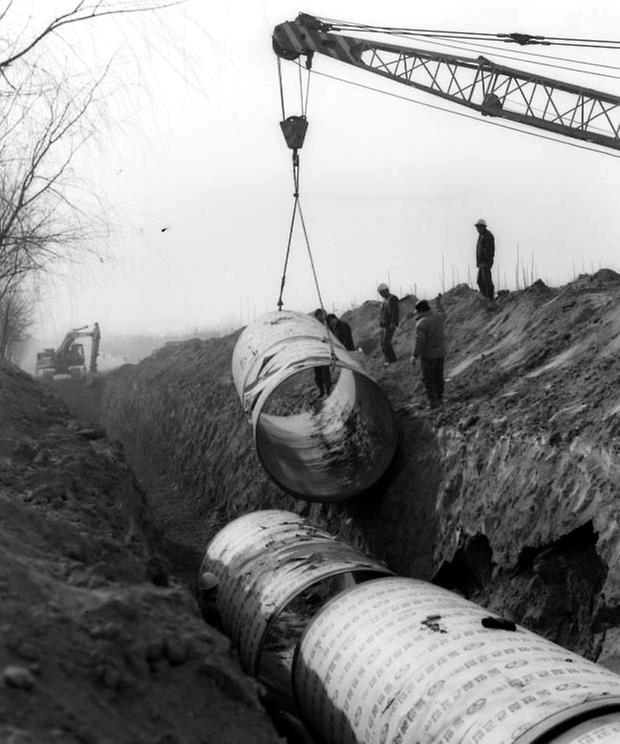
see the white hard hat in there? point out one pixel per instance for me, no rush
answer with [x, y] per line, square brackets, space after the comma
[382, 287]
[481, 222]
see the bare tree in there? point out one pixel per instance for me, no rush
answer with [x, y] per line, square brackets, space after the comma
[39, 223]
[45, 117]
[15, 319]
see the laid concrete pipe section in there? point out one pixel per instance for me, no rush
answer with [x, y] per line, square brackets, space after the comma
[329, 452]
[274, 569]
[401, 661]
[363, 657]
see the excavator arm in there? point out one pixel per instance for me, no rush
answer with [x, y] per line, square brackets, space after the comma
[491, 89]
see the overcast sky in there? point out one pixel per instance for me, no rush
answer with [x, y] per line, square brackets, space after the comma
[195, 176]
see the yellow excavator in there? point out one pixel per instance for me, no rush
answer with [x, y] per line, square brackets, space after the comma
[69, 357]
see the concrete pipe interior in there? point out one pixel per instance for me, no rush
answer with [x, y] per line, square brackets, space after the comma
[327, 449]
[285, 628]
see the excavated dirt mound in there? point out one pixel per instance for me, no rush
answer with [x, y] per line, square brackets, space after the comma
[99, 644]
[509, 494]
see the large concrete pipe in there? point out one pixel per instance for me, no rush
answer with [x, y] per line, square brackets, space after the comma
[274, 569]
[329, 452]
[400, 661]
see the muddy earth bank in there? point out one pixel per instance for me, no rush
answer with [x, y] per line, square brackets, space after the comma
[99, 642]
[508, 495]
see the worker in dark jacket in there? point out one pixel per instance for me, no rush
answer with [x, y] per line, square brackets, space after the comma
[430, 348]
[485, 255]
[322, 375]
[388, 321]
[341, 330]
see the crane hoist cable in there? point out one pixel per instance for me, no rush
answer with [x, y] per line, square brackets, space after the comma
[523, 39]
[294, 130]
[468, 46]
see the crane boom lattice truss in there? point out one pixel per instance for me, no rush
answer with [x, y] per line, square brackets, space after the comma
[478, 83]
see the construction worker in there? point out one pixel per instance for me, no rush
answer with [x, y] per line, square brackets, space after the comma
[430, 348]
[388, 321]
[322, 376]
[341, 330]
[485, 254]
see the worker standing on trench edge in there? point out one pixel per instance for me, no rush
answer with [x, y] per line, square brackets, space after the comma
[388, 322]
[322, 375]
[430, 348]
[341, 330]
[485, 255]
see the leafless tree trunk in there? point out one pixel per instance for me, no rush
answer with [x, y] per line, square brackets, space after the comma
[15, 319]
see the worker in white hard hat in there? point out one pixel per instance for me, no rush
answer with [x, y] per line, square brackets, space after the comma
[485, 254]
[388, 321]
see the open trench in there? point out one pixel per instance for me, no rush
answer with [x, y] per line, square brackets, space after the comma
[448, 509]
[552, 585]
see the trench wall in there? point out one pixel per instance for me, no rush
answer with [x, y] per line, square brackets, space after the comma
[510, 495]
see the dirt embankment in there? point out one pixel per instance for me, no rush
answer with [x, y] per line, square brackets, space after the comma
[182, 427]
[509, 494]
[99, 643]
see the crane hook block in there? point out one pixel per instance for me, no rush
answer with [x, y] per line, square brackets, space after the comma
[294, 131]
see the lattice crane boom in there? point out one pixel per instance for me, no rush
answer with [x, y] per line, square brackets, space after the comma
[478, 83]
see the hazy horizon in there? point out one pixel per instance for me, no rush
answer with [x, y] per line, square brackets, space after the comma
[195, 176]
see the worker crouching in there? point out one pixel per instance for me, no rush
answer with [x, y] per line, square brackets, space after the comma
[430, 349]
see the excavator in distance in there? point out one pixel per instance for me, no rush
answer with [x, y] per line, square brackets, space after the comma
[69, 357]
[482, 85]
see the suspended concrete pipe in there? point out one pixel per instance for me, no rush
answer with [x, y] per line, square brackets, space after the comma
[329, 452]
[274, 569]
[401, 661]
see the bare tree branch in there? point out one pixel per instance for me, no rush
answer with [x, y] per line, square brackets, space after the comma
[6, 10]
[45, 118]
[79, 14]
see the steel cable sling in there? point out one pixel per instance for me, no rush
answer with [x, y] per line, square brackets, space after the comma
[294, 130]
[522, 39]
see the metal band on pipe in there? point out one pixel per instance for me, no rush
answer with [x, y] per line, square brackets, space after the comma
[262, 562]
[603, 729]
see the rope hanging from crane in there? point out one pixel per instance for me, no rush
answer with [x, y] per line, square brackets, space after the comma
[294, 130]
